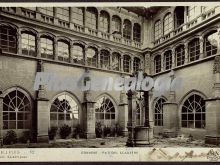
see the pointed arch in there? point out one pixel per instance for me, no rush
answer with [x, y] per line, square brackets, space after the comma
[47, 34]
[193, 110]
[65, 108]
[17, 109]
[106, 111]
[158, 110]
[29, 29]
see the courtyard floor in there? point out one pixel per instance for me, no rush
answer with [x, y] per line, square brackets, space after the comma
[112, 142]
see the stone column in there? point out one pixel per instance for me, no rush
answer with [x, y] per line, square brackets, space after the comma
[85, 51]
[151, 108]
[122, 66]
[218, 45]
[110, 24]
[43, 118]
[170, 118]
[212, 108]
[98, 20]
[55, 16]
[132, 27]
[55, 50]
[146, 109]
[89, 115]
[201, 44]
[98, 58]
[173, 58]
[71, 14]
[123, 112]
[185, 14]
[38, 9]
[110, 60]
[132, 65]
[38, 46]
[71, 52]
[147, 63]
[131, 117]
[162, 62]
[153, 70]
[55, 11]
[1, 119]
[19, 48]
[122, 22]
[142, 113]
[186, 53]
[170, 114]
[43, 111]
[38, 13]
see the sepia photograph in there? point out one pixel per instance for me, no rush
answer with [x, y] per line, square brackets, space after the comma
[139, 82]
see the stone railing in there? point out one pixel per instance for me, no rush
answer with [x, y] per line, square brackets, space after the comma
[9, 9]
[186, 26]
[209, 13]
[92, 32]
[28, 13]
[127, 42]
[178, 30]
[70, 25]
[47, 19]
[104, 35]
[63, 23]
[76, 27]
[137, 44]
[116, 38]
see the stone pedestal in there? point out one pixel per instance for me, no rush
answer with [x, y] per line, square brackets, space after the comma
[143, 136]
[43, 120]
[1, 120]
[212, 121]
[89, 116]
[131, 117]
[123, 117]
[213, 108]
[123, 113]
[89, 121]
[170, 119]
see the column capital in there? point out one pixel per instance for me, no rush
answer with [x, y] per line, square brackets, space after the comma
[186, 44]
[88, 97]
[201, 39]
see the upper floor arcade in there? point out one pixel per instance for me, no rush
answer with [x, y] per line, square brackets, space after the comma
[175, 21]
[36, 44]
[110, 24]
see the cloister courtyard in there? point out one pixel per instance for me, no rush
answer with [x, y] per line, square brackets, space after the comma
[114, 142]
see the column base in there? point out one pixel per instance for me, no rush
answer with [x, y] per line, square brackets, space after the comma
[170, 133]
[43, 139]
[212, 139]
[143, 136]
[130, 140]
[1, 142]
[90, 136]
[125, 133]
[130, 143]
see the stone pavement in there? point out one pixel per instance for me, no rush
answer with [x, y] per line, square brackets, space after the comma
[113, 142]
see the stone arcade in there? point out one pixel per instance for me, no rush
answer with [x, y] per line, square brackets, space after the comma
[110, 42]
